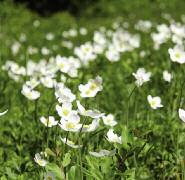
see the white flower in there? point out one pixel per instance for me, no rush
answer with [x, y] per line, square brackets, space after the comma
[177, 55]
[15, 47]
[167, 76]
[30, 93]
[91, 113]
[91, 88]
[50, 36]
[49, 122]
[83, 31]
[155, 102]
[141, 76]
[32, 83]
[63, 93]
[45, 51]
[47, 82]
[109, 120]
[3, 113]
[39, 160]
[182, 114]
[71, 124]
[70, 143]
[111, 137]
[103, 153]
[62, 64]
[91, 127]
[65, 110]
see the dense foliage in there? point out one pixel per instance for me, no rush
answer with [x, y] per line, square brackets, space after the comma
[60, 61]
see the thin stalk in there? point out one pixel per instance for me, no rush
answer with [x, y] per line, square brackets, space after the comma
[128, 104]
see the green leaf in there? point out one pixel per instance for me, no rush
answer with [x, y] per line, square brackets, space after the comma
[126, 137]
[49, 152]
[57, 171]
[67, 159]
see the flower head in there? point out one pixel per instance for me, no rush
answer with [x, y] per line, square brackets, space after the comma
[39, 160]
[109, 120]
[49, 122]
[112, 137]
[177, 55]
[141, 76]
[155, 102]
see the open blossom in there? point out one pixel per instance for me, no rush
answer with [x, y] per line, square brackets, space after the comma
[62, 64]
[63, 93]
[109, 120]
[71, 124]
[177, 55]
[90, 113]
[49, 122]
[167, 76]
[141, 76]
[70, 143]
[155, 102]
[3, 113]
[38, 159]
[91, 88]
[112, 137]
[182, 114]
[65, 110]
[30, 93]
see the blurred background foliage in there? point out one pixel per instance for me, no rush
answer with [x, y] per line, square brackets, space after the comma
[95, 8]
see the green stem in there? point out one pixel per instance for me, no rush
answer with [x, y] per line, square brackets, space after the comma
[128, 104]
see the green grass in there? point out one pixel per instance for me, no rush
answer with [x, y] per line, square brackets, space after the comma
[153, 145]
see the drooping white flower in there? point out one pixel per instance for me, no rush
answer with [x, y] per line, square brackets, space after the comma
[177, 55]
[90, 127]
[103, 153]
[3, 113]
[109, 120]
[112, 137]
[167, 76]
[39, 160]
[30, 93]
[182, 114]
[90, 113]
[49, 122]
[141, 76]
[155, 102]
[70, 143]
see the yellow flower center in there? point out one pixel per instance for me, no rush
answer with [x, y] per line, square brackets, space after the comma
[93, 86]
[177, 55]
[153, 103]
[66, 112]
[70, 125]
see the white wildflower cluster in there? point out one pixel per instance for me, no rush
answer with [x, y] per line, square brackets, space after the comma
[73, 116]
[143, 25]
[174, 32]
